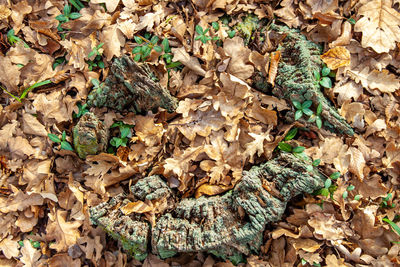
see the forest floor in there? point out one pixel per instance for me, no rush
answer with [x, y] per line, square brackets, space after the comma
[53, 53]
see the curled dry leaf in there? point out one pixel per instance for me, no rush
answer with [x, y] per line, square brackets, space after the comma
[273, 70]
[137, 207]
[336, 57]
[381, 80]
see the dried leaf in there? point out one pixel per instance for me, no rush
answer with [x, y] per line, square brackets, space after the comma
[381, 80]
[136, 207]
[63, 232]
[192, 63]
[336, 57]
[273, 69]
[379, 25]
[9, 247]
[30, 255]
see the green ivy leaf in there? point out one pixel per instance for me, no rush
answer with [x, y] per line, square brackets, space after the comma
[54, 138]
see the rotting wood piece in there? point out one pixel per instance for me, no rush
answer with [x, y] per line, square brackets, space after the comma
[225, 225]
[131, 87]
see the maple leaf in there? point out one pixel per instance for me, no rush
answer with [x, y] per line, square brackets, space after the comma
[30, 255]
[65, 233]
[379, 25]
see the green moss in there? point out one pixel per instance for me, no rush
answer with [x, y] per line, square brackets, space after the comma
[247, 26]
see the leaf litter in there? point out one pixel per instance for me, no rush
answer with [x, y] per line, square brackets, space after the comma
[222, 126]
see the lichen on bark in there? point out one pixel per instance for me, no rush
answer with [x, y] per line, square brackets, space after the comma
[131, 86]
[225, 225]
[295, 79]
[90, 136]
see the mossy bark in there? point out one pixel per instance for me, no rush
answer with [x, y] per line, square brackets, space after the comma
[224, 225]
[295, 80]
[131, 86]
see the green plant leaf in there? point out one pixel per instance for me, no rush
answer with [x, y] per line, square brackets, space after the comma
[136, 49]
[138, 39]
[199, 29]
[298, 149]
[298, 114]
[35, 85]
[95, 82]
[319, 109]
[325, 192]
[317, 76]
[100, 64]
[63, 136]
[75, 15]
[308, 112]
[351, 188]
[77, 4]
[351, 21]
[173, 65]
[154, 39]
[137, 58]
[291, 134]
[345, 194]
[231, 34]
[67, 10]
[306, 104]
[215, 25]
[285, 147]
[158, 48]
[325, 71]
[67, 146]
[297, 104]
[335, 175]
[316, 162]
[326, 82]
[118, 142]
[62, 18]
[124, 131]
[318, 122]
[124, 141]
[357, 197]
[395, 227]
[165, 45]
[328, 183]
[54, 138]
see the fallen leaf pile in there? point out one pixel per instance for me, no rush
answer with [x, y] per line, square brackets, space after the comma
[222, 126]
